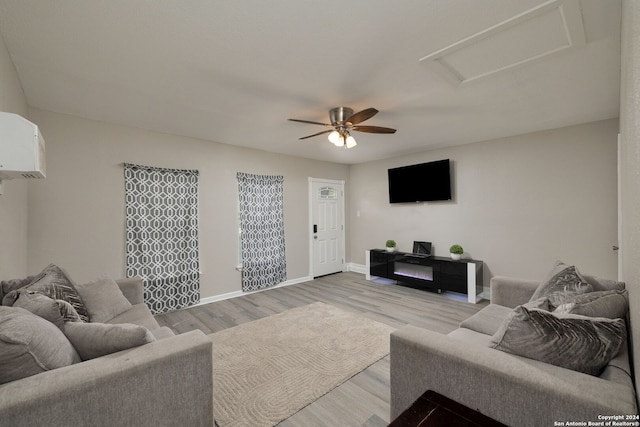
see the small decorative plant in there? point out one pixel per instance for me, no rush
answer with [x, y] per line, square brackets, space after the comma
[391, 245]
[456, 251]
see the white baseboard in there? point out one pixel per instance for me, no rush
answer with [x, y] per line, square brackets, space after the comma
[356, 268]
[236, 294]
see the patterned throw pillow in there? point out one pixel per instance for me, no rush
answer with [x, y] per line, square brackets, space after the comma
[55, 311]
[54, 283]
[7, 286]
[610, 304]
[562, 283]
[583, 344]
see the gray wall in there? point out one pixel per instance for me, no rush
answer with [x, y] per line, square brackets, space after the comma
[76, 215]
[519, 203]
[13, 203]
[630, 166]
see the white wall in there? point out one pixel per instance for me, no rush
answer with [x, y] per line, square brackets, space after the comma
[630, 167]
[76, 215]
[519, 203]
[13, 201]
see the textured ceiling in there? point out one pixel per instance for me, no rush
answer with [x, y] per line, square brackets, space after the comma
[235, 71]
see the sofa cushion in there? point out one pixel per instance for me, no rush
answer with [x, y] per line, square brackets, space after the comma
[161, 333]
[562, 282]
[30, 345]
[103, 299]
[610, 304]
[471, 337]
[93, 340]
[619, 369]
[580, 343]
[54, 283]
[488, 320]
[138, 314]
[54, 311]
[601, 284]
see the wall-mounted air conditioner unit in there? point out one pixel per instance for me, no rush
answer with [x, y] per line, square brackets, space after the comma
[21, 148]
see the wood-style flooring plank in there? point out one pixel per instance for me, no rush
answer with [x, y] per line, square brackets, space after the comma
[363, 400]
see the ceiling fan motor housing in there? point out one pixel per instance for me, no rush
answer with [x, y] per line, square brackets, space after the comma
[339, 115]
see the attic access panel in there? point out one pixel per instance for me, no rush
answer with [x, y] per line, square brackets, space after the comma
[552, 27]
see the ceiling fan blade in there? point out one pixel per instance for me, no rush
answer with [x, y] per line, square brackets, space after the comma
[373, 129]
[312, 123]
[361, 116]
[316, 134]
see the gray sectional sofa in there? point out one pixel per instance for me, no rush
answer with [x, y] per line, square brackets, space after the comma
[515, 390]
[166, 381]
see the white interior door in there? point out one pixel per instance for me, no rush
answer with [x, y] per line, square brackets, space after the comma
[326, 226]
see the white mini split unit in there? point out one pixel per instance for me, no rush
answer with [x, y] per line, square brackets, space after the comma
[21, 148]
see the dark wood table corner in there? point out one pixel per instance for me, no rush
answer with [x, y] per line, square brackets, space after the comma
[435, 410]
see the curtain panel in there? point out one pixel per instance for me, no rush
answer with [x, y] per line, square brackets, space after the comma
[162, 235]
[261, 230]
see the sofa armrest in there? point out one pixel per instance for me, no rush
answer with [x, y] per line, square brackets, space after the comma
[509, 389]
[166, 382]
[133, 289]
[511, 292]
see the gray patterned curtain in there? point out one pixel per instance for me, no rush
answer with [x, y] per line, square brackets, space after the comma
[162, 235]
[262, 231]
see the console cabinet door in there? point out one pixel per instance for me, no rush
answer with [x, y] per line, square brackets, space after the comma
[453, 276]
[379, 263]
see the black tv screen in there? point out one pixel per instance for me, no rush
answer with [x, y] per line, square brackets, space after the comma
[424, 182]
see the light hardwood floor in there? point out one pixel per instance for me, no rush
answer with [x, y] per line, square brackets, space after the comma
[364, 399]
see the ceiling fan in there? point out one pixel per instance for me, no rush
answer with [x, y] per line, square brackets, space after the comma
[343, 122]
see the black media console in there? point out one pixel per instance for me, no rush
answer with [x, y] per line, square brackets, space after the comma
[428, 272]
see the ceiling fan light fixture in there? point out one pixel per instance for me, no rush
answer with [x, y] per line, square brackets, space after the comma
[334, 137]
[339, 115]
[351, 142]
[343, 121]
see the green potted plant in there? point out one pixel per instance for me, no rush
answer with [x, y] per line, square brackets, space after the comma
[391, 245]
[456, 251]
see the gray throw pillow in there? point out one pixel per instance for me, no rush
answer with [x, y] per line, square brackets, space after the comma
[562, 283]
[103, 299]
[609, 304]
[601, 284]
[583, 344]
[93, 340]
[7, 286]
[56, 284]
[30, 345]
[54, 311]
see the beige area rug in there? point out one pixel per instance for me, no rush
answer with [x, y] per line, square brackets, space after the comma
[267, 370]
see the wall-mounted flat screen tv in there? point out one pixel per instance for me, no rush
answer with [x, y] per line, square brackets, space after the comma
[424, 182]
